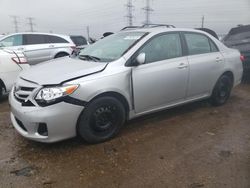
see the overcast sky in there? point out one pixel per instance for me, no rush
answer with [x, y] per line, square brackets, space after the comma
[72, 17]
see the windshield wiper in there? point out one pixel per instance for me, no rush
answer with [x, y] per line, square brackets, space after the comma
[89, 57]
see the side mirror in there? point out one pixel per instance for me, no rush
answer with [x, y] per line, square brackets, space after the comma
[141, 58]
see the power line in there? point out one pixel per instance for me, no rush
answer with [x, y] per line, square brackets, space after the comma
[16, 23]
[31, 23]
[129, 15]
[148, 11]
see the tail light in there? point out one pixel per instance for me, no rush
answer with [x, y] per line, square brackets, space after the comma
[73, 47]
[242, 58]
[19, 60]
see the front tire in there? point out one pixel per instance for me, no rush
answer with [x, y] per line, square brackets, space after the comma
[101, 120]
[222, 91]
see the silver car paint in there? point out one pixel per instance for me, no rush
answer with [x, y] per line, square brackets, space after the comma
[182, 80]
[37, 53]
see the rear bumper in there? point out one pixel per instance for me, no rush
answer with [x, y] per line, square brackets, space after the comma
[60, 120]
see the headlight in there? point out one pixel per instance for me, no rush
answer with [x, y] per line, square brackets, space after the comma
[49, 95]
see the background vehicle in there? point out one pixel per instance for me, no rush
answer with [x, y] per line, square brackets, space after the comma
[210, 31]
[11, 64]
[39, 47]
[80, 42]
[239, 38]
[120, 77]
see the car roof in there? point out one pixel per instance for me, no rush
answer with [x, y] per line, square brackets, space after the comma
[156, 30]
[36, 33]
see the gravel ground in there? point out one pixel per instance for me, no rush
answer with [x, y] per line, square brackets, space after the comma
[192, 146]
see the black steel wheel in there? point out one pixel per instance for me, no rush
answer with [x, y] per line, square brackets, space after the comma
[222, 90]
[101, 120]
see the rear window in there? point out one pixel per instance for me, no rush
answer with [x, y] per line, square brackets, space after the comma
[197, 44]
[79, 40]
[30, 39]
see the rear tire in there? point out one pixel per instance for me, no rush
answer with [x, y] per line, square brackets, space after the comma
[101, 120]
[222, 90]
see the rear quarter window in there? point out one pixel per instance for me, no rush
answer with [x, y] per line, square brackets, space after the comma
[56, 39]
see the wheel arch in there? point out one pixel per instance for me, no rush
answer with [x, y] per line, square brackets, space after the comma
[61, 52]
[116, 95]
[230, 75]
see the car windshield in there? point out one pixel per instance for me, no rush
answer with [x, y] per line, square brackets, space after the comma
[112, 47]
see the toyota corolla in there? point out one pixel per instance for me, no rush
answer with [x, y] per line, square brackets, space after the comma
[123, 76]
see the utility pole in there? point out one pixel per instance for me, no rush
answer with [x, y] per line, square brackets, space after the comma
[15, 22]
[148, 11]
[129, 15]
[202, 21]
[87, 29]
[30, 23]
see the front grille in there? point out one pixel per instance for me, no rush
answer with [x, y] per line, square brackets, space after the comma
[22, 92]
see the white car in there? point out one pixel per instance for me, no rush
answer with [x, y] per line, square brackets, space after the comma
[11, 64]
[39, 47]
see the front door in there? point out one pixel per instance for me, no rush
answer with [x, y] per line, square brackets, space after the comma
[162, 80]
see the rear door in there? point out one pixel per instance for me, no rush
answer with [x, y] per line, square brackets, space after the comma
[162, 80]
[206, 64]
[37, 48]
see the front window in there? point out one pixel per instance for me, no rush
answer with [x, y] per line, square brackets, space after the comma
[112, 47]
[162, 47]
[15, 40]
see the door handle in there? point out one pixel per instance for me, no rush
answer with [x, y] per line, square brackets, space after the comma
[218, 59]
[182, 66]
[20, 49]
[51, 46]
